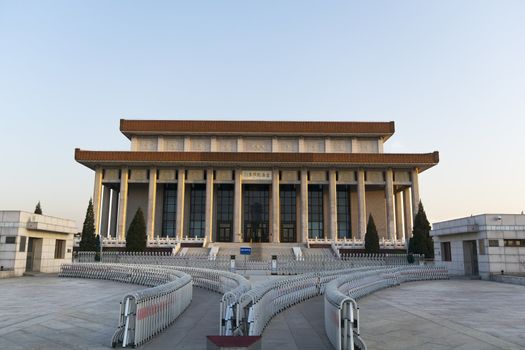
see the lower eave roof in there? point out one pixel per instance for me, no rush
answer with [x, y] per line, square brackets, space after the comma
[93, 159]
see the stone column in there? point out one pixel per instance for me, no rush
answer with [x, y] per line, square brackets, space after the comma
[208, 216]
[123, 203]
[361, 204]
[105, 211]
[332, 198]
[181, 187]
[389, 195]
[152, 200]
[97, 198]
[408, 215]
[237, 207]
[114, 213]
[399, 216]
[276, 220]
[415, 192]
[304, 205]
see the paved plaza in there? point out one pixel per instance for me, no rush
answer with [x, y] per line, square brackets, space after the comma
[47, 312]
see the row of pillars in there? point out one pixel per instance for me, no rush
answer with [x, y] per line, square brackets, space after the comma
[399, 212]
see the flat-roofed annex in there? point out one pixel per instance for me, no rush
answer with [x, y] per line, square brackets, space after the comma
[230, 127]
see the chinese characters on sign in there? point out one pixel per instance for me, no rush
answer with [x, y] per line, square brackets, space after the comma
[256, 175]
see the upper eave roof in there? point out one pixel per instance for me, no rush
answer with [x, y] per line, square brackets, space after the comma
[231, 127]
[92, 159]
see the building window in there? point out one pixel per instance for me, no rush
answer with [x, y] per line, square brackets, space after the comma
[481, 246]
[197, 210]
[256, 213]
[446, 254]
[169, 212]
[315, 212]
[22, 246]
[493, 243]
[224, 213]
[343, 212]
[288, 211]
[514, 242]
[10, 240]
[60, 249]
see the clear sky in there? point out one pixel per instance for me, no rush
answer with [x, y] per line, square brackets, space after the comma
[450, 73]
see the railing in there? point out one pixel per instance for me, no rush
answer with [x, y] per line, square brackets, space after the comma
[168, 242]
[257, 306]
[353, 243]
[231, 285]
[144, 313]
[285, 265]
[341, 313]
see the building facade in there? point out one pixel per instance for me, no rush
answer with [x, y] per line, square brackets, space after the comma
[256, 181]
[34, 243]
[481, 245]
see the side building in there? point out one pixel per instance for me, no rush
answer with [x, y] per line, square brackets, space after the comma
[481, 245]
[34, 243]
[256, 181]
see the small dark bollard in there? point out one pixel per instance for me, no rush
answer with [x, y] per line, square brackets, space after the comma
[232, 263]
[225, 342]
[274, 264]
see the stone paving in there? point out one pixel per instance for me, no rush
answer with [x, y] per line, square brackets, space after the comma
[45, 313]
[452, 314]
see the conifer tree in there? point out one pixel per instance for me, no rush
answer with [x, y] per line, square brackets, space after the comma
[136, 239]
[88, 240]
[421, 242]
[38, 209]
[371, 237]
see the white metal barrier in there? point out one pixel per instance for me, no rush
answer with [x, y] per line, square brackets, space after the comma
[144, 313]
[341, 313]
[257, 306]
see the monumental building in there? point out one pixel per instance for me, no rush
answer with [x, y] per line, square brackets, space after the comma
[256, 181]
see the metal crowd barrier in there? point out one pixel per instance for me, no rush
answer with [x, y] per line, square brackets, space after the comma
[257, 306]
[285, 265]
[144, 313]
[341, 313]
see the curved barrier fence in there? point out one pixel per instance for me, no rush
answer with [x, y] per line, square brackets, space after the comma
[257, 306]
[144, 313]
[142, 325]
[284, 265]
[341, 313]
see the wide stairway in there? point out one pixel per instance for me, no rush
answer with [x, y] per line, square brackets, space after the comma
[260, 251]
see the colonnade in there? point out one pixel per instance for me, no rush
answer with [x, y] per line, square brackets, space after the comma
[110, 205]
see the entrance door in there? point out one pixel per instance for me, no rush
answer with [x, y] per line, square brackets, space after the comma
[29, 259]
[288, 233]
[34, 254]
[470, 258]
[256, 213]
[224, 232]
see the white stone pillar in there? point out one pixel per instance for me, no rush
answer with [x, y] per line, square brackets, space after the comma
[332, 198]
[97, 198]
[123, 203]
[105, 211]
[208, 216]
[361, 204]
[152, 200]
[389, 195]
[399, 216]
[408, 214]
[415, 192]
[181, 188]
[237, 207]
[276, 205]
[304, 205]
[114, 213]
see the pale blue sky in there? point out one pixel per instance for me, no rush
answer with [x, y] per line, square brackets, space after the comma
[450, 73]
